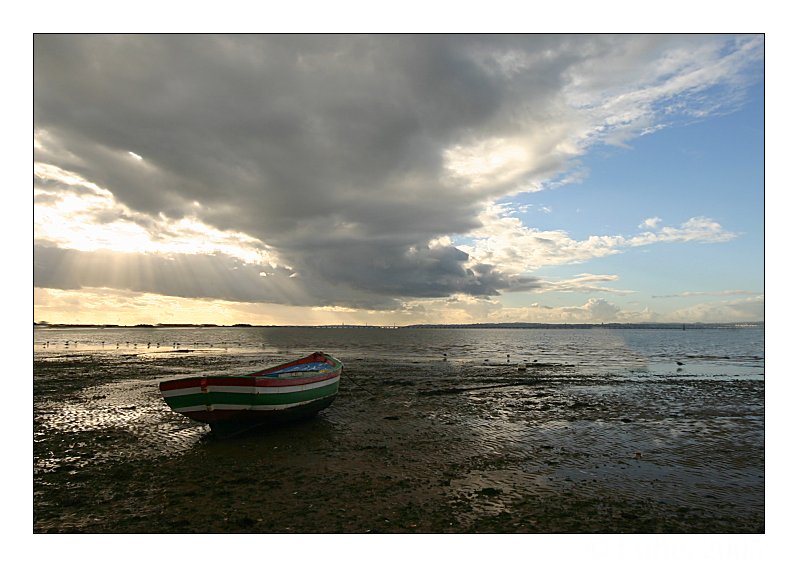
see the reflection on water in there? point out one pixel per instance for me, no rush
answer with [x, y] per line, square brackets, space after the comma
[114, 421]
[594, 350]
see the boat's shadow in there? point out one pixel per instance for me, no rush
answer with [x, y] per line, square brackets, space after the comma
[315, 427]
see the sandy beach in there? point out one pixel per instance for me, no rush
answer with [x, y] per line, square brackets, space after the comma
[407, 447]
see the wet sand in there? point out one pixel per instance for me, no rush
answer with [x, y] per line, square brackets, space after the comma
[407, 447]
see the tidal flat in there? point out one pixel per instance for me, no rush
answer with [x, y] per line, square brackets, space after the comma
[424, 445]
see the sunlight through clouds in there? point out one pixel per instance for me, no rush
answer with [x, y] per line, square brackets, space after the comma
[96, 221]
[489, 162]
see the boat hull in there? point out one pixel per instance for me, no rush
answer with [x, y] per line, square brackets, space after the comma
[228, 403]
[235, 424]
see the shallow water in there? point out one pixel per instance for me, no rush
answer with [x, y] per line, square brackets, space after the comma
[434, 430]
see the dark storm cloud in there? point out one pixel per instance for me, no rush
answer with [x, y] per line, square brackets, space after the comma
[281, 128]
[223, 277]
[329, 149]
[415, 272]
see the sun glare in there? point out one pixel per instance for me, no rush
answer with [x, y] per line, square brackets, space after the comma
[80, 220]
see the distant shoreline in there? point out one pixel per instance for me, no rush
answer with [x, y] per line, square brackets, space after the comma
[738, 325]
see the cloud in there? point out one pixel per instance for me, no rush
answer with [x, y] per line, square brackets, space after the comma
[736, 310]
[208, 276]
[342, 157]
[650, 223]
[710, 293]
[467, 310]
[78, 215]
[697, 229]
[582, 283]
[506, 243]
[599, 310]
[115, 306]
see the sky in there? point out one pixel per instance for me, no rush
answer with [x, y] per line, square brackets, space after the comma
[398, 179]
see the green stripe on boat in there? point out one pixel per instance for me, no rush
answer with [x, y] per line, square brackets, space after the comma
[250, 399]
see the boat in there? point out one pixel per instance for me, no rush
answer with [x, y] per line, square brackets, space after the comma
[231, 404]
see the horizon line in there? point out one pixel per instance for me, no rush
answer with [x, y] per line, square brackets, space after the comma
[514, 324]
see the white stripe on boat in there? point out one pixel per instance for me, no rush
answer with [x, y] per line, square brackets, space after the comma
[257, 407]
[217, 388]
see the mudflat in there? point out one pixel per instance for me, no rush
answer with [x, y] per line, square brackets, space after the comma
[407, 447]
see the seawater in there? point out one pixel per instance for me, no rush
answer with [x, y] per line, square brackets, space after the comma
[723, 353]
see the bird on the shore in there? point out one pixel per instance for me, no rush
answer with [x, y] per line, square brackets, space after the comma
[679, 363]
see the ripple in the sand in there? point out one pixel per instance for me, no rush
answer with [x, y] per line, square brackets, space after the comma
[120, 420]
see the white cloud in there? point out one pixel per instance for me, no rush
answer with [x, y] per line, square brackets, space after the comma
[696, 229]
[735, 310]
[505, 242]
[471, 310]
[491, 162]
[626, 92]
[334, 309]
[650, 223]
[709, 293]
[600, 310]
[581, 283]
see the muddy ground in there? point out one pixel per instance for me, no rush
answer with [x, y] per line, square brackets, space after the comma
[407, 447]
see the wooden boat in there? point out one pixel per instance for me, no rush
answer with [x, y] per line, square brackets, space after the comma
[231, 404]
